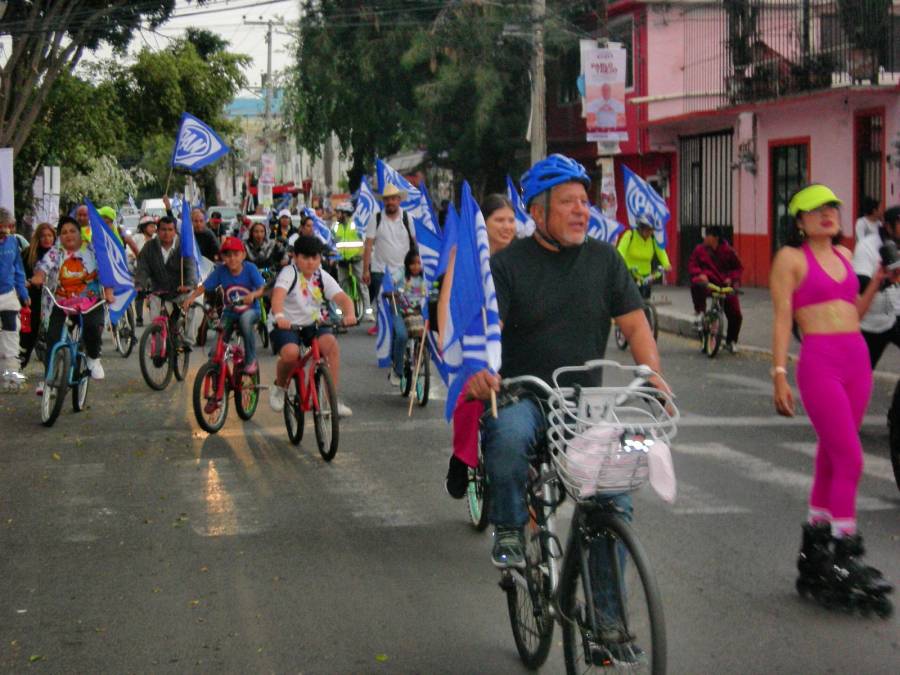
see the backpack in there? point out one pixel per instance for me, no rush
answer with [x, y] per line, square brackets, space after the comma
[412, 241]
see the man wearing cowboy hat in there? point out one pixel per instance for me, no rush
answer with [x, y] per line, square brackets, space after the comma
[388, 242]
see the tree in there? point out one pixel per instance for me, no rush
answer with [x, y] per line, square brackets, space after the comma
[196, 74]
[349, 79]
[105, 182]
[48, 39]
[475, 103]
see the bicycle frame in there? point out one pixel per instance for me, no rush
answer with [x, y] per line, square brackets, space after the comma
[309, 398]
[230, 359]
[66, 341]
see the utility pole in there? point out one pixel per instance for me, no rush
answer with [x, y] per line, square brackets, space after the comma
[269, 86]
[538, 83]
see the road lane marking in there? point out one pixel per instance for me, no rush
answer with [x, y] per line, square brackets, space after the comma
[693, 420]
[763, 471]
[873, 466]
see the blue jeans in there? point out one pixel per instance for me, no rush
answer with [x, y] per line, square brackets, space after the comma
[398, 346]
[509, 443]
[246, 324]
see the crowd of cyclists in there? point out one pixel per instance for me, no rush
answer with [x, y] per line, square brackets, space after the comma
[303, 283]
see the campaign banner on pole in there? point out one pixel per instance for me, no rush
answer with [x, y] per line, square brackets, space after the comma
[603, 105]
[266, 180]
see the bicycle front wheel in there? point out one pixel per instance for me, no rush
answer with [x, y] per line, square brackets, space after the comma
[124, 333]
[210, 410]
[55, 387]
[423, 382]
[528, 600]
[477, 495]
[181, 356]
[612, 616]
[325, 418]
[713, 334]
[155, 366]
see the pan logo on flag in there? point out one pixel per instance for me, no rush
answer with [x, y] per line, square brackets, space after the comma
[637, 201]
[195, 142]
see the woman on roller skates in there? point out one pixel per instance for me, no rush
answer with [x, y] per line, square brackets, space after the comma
[813, 283]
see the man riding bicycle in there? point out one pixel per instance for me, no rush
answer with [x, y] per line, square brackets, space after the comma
[350, 248]
[161, 269]
[557, 292]
[714, 262]
[642, 253]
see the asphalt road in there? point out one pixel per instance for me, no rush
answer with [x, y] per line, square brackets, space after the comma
[131, 541]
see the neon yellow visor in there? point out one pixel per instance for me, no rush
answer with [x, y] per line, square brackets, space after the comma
[812, 197]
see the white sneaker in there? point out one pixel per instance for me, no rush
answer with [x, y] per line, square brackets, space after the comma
[343, 410]
[369, 316]
[276, 397]
[698, 321]
[394, 379]
[96, 368]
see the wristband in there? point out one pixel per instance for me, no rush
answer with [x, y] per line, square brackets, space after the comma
[279, 315]
[778, 370]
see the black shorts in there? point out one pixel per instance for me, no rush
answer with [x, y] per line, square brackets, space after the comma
[281, 337]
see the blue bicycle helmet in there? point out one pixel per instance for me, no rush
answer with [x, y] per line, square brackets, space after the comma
[547, 173]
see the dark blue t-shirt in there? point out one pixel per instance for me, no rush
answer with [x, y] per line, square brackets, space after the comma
[248, 280]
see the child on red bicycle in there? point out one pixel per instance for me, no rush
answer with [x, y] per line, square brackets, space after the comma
[299, 299]
[243, 285]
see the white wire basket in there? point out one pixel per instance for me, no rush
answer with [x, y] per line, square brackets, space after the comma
[600, 437]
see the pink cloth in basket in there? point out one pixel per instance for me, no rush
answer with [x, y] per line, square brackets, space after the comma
[466, 415]
[78, 303]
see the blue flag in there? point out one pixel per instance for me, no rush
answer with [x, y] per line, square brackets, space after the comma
[320, 229]
[285, 202]
[189, 248]
[524, 223]
[602, 228]
[451, 233]
[366, 207]
[643, 200]
[384, 320]
[474, 318]
[112, 265]
[386, 174]
[196, 144]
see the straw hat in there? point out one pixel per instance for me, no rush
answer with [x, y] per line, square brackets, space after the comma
[391, 190]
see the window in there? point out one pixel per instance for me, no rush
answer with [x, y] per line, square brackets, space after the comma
[788, 171]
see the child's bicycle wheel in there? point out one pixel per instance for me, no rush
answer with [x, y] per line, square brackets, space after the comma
[246, 398]
[156, 364]
[55, 387]
[423, 381]
[209, 409]
[325, 417]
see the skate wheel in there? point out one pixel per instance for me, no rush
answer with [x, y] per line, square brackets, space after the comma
[884, 608]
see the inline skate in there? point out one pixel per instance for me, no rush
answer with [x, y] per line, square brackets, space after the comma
[832, 574]
[12, 381]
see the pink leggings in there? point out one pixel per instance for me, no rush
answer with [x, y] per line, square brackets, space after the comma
[835, 381]
[465, 429]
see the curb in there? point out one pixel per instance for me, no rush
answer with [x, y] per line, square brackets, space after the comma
[682, 324]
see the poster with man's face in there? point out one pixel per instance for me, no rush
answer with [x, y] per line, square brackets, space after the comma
[604, 88]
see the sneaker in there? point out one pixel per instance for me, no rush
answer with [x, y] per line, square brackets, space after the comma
[39, 389]
[373, 330]
[211, 406]
[617, 653]
[457, 483]
[139, 323]
[369, 316]
[732, 347]
[698, 321]
[96, 368]
[251, 368]
[509, 548]
[344, 410]
[276, 397]
[394, 379]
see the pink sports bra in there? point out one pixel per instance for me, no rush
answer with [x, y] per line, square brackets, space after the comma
[819, 287]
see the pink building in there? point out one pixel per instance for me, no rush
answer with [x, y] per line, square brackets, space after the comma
[736, 104]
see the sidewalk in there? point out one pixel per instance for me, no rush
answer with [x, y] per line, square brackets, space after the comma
[676, 315]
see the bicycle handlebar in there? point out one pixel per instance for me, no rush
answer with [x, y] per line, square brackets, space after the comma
[723, 290]
[71, 311]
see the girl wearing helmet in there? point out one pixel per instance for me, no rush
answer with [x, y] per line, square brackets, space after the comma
[813, 283]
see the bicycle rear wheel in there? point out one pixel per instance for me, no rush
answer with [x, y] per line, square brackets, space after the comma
[652, 319]
[477, 494]
[713, 333]
[612, 616]
[181, 355]
[209, 410]
[156, 368]
[528, 594]
[894, 433]
[246, 399]
[293, 410]
[83, 379]
[423, 382]
[55, 387]
[124, 333]
[325, 418]
[621, 342]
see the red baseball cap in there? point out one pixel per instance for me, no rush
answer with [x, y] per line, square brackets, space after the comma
[231, 244]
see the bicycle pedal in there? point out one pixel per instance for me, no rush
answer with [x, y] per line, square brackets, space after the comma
[507, 583]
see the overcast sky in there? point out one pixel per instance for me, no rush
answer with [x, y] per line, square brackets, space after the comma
[226, 18]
